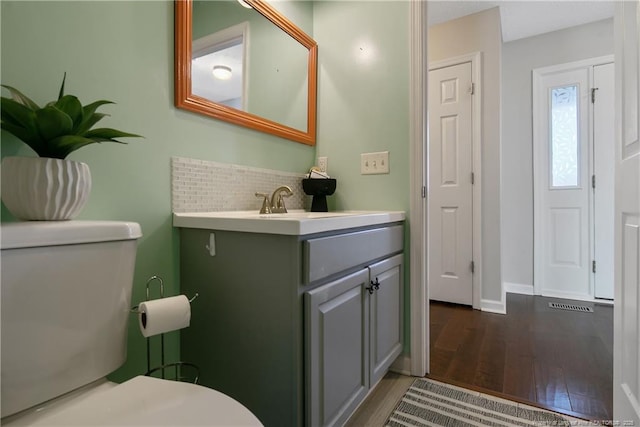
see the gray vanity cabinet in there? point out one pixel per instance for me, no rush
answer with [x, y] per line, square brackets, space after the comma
[386, 315]
[338, 349]
[248, 327]
[354, 333]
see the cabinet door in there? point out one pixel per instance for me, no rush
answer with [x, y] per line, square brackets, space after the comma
[386, 315]
[337, 349]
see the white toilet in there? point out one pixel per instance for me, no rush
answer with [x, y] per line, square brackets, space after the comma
[66, 299]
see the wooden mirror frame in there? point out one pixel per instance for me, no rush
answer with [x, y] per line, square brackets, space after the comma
[185, 99]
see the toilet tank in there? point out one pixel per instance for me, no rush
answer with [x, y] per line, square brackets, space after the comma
[66, 299]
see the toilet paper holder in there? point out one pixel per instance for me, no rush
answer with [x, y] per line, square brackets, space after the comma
[135, 309]
[177, 366]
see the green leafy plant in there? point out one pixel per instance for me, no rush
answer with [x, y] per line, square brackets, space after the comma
[58, 128]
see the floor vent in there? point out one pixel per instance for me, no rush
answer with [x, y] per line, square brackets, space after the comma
[572, 307]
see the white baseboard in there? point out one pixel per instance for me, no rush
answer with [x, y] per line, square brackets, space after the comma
[493, 306]
[402, 365]
[566, 295]
[518, 288]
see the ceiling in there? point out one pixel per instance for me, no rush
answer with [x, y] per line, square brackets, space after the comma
[522, 19]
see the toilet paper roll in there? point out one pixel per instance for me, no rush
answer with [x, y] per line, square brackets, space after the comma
[164, 315]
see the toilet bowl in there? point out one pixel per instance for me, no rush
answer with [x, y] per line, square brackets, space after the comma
[66, 298]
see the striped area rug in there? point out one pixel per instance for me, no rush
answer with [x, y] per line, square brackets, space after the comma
[431, 403]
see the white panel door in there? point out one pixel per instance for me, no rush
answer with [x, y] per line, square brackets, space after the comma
[562, 184]
[626, 351]
[603, 159]
[450, 188]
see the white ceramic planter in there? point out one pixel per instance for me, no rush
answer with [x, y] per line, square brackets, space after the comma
[41, 188]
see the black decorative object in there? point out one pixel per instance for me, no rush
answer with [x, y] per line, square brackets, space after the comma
[319, 189]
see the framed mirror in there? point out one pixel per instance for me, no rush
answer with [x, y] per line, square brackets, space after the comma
[270, 62]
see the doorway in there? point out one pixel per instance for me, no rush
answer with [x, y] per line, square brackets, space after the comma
[419, 164]
[573, 131]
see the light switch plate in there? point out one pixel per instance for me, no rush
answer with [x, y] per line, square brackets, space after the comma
[374, 163]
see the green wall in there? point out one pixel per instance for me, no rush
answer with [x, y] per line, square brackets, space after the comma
[363, 105]
[123, 51]
[364, 98]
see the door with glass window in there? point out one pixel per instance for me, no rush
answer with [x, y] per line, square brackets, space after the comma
[562, 182]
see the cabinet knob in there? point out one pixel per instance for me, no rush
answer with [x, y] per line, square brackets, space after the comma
[374, 286]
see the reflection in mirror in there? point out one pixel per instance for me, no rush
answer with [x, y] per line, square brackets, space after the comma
[252, 67]
[218, 66]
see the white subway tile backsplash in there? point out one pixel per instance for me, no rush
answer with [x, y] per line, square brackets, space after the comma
[206, 186]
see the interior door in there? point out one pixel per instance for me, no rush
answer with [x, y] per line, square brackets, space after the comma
[603, 195]
[562, 184]
[450, 185]
[626, 351]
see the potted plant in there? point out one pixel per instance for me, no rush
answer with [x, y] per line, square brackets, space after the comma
[50, 187]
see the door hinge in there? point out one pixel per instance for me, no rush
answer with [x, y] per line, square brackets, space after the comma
[473, 267]
[473, 89]
[424, 192]
[473, 178]
[593, 94]
[593, 181]
[593, 266]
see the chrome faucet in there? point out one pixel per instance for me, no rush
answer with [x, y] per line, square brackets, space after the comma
[276, 204]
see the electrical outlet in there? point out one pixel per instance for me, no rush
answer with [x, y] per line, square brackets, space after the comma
[322, 164]
[374, 163]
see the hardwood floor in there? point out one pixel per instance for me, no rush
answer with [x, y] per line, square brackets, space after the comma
[556, 359]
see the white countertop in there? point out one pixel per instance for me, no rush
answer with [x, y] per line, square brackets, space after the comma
[295, 222]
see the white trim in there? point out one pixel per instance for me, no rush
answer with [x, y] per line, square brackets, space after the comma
[402, 365]
[475, 59]
[592, 206]
[550, 293]
[220, 39]
[537, 189]
[492, 306]
[419, 303]
[517, 288]
[223, 39]
[568, 66]
[575, 297]
[538, 111]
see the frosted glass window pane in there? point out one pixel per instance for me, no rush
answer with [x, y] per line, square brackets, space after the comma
[564, 137]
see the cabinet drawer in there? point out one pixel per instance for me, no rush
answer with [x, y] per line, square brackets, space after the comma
[325, 256]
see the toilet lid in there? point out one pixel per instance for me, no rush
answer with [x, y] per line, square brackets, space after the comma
[147, 401]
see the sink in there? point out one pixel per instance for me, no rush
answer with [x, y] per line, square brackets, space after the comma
[308, 215]
[295, 222]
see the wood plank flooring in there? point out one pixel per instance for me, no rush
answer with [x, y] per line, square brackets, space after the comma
[556, 359]
[381, 401]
